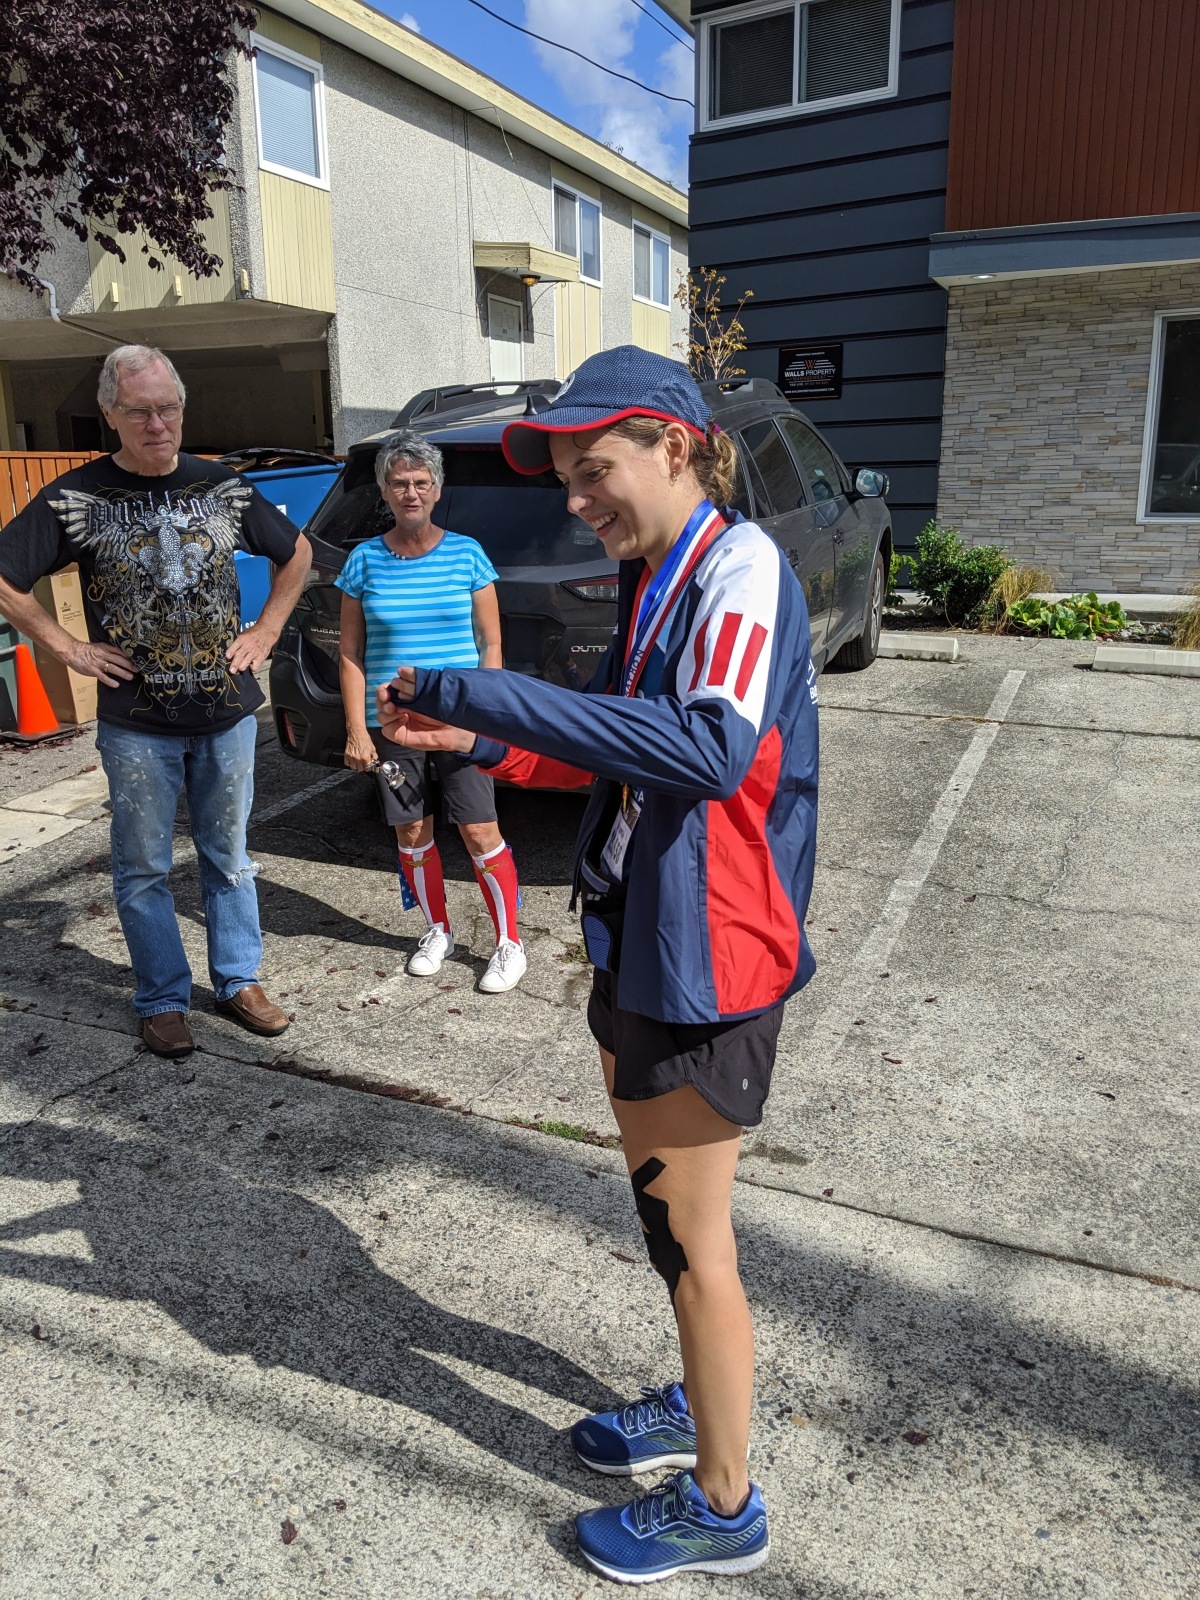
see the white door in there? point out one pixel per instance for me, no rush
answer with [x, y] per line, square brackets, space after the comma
[505, 329]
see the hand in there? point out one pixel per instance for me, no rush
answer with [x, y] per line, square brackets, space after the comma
[360, 755]
[250, 649]
[416, 732]
[103, 661]
[405, 685]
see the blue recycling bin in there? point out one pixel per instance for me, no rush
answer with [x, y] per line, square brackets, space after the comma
[297, 491]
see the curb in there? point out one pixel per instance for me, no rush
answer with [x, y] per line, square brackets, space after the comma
[1147, 658]
[919, 647]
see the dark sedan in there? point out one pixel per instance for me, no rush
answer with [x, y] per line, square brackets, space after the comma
[557, 586]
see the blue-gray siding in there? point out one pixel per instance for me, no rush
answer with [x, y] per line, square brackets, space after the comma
[827, 218]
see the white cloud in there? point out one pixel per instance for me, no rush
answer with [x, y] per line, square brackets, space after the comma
[650, 131]
[407, 20]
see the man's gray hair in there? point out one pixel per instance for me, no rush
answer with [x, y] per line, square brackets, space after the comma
[414, 449]
[131, 358]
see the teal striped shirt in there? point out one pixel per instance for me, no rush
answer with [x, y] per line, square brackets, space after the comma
[418, 610]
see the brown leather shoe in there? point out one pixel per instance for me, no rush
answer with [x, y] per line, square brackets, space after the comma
[253, 1010]
[167, 1034]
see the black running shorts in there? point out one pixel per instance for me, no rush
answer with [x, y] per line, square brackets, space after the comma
[468, 794]
[728, 1063]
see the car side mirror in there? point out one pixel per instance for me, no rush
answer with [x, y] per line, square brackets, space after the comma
[870, 483]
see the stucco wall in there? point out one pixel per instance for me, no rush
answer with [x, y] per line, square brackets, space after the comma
[1045, 407]
[414, 180]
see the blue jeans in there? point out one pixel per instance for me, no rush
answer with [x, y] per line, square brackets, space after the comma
[146, 772]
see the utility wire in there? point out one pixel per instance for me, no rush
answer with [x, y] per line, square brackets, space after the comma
[670, 33]
[554, 43]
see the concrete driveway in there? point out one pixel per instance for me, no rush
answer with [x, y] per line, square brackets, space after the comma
[308, 1316]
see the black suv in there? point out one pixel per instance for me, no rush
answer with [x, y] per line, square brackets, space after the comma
[557, 588]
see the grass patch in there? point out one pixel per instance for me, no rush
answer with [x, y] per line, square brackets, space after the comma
[1187, 629]
[1014, 585]
[567, 1130]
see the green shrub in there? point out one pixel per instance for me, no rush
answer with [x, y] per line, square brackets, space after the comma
[1083, 616]
[898, 574]
[954, 576]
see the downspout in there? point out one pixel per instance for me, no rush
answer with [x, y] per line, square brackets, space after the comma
[69, 322]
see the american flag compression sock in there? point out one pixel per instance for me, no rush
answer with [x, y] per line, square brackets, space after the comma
[422, 869]
[496, 875]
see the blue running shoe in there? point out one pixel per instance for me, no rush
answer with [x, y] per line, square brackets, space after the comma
[646, 1436]
[672, 1529]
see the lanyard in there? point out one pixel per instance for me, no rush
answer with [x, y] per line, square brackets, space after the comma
[657, 594]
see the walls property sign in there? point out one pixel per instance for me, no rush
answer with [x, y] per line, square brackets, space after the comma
[811, 371]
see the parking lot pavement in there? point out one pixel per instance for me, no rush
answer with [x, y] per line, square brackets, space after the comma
[968, 1219]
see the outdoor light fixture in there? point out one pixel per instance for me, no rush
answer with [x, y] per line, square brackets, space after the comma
[982, 277]
[529, 279]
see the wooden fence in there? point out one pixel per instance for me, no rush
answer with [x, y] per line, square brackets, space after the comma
[24, 473]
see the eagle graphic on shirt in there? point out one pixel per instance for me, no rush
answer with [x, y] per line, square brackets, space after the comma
[160, 573]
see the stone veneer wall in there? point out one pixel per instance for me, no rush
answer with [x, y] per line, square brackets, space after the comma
[1044, 411]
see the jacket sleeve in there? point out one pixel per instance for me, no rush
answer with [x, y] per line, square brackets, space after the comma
[698, 743]
[700, 751]
[529, 771]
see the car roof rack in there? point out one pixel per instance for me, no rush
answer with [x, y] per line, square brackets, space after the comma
[744, 388]
[476, 397]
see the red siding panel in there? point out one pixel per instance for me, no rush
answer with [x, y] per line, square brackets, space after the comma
[1071, 110]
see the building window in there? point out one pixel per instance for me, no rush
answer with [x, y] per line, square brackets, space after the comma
[577, 230]
[651, 266]
[776, 60]
[1171, 453]
[289, 100]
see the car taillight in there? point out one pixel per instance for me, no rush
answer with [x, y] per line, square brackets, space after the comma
[594, 589]
[289, 733]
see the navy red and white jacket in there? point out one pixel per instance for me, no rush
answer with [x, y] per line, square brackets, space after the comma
[722, 740]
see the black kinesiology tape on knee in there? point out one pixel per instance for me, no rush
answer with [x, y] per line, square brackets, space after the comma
[666, 1252]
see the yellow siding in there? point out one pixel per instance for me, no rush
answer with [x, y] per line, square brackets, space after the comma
[297, 242]
[141, 288]
[280, 31]
[577, 324]
[652, 328]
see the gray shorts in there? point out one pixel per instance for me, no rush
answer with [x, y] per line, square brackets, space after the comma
[468, 795]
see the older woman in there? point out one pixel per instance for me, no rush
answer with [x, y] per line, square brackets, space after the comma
[694, 865]
[420, 593]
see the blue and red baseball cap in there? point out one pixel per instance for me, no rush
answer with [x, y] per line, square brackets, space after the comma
[625, 382]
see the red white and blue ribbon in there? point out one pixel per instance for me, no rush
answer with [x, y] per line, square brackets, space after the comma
[658, 592]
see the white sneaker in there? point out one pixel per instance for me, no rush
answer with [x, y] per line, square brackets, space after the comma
[436, 944]
[505, 969]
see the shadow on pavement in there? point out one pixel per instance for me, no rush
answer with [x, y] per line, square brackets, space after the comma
[221, 1255]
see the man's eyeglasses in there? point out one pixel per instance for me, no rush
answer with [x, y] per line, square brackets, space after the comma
[140, 415]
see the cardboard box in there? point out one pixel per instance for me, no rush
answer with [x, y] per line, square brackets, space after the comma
[72, 695]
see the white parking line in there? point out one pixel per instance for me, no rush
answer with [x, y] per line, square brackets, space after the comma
[838, 1019]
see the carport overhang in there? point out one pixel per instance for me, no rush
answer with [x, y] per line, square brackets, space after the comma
[1062, 248]
[232, 325]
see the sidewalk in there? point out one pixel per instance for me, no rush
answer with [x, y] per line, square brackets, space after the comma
[257, 1290]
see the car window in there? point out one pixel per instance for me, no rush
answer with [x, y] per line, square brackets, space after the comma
[826, 477]
[769, 455]
[520, 521]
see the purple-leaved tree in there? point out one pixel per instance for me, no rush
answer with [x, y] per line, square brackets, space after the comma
[112, 118]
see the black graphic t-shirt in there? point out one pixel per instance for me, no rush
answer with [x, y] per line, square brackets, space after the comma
[156, 562]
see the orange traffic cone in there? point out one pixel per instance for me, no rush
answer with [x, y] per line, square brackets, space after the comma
[35, 715]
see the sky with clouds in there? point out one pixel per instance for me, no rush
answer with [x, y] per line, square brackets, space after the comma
[649, 130]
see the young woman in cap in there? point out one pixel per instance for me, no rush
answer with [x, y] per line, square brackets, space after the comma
[694, 867]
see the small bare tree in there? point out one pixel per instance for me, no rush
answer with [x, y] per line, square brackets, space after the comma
[715, 336]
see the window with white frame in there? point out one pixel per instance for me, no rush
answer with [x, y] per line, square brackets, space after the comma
[651, 265]
[787, 57]
[1171, 454]
[577, 230]
[289, 100]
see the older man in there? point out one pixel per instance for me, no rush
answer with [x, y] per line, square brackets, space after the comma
[154, 532]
